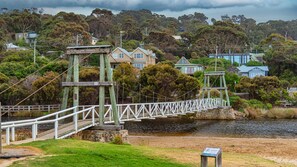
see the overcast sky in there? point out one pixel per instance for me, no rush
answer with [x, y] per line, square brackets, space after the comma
[260, 10]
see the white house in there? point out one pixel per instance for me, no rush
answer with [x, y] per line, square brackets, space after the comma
[253, 71]
[11, 46]
[188, 68]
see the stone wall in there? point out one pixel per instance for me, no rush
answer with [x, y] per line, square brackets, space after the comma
[219, 113]
[102, 135]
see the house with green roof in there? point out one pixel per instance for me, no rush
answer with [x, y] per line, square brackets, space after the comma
[188, 68]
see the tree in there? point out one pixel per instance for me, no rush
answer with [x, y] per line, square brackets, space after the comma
[191, 22]
[49, 94]
[266, 89]
[225, 35]
[89, 95]
[281, 56]
[25, 21]
[163, 82]
[125, 76]
[100, 22]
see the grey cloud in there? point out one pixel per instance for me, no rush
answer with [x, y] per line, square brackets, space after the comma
[154, 5]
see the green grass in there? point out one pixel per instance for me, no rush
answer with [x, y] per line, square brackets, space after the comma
[78, 153]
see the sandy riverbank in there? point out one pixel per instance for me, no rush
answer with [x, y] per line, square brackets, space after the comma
[236, 151]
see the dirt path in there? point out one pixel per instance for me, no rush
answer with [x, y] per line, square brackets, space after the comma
[277, 150]
[21, 152]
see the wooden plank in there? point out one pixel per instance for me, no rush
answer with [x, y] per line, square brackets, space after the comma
[81, 50]
[219, 88]
[98, 83]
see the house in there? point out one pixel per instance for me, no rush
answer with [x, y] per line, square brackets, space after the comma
[292, 91]
[94, 40]
[139, 58]
[240, 58]
[143, 58]
[12, 47]
[253, 71]
[119, 55]
[188, 68]
[29, 37]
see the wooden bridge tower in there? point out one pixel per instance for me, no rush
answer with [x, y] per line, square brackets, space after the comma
[72, 80]
[222, 85]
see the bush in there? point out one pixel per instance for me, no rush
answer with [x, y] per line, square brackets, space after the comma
[255, 103]
[238, 103]
[118, 140]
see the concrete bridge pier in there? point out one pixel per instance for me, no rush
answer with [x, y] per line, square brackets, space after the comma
[103, 133]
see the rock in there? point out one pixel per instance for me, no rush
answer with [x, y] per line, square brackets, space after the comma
[219, 113]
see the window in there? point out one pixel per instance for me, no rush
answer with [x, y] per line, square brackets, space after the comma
[138, 55]
[121, 55]
[190, 70]
[115, 56]
[139, 66]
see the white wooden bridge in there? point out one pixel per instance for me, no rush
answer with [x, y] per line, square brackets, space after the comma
[75, 119]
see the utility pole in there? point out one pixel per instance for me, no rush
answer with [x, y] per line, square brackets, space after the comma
[34, 52]
[216, 58]
[121, 40]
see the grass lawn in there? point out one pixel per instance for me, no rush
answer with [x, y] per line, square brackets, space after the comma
[79, 153]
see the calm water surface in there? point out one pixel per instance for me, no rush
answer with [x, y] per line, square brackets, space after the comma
[235, 128]
[281, 128]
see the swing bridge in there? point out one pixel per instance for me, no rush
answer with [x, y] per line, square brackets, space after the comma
[69, 121]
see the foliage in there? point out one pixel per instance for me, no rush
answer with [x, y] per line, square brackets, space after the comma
[254, 63]
[266, 89]
[210, 63]
[50, 88]
[165, 83]
[130, 45]
[125, 76]
[58, 66]
[225, 35]
[281, 56]
[238, 103]
[13, 69]
[89, 95]
[117, 140]
[12, 95]
[258, 104]
[3, 78]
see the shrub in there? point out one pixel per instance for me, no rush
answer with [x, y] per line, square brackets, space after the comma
[238, 103]
[117, 140]
[255, 103]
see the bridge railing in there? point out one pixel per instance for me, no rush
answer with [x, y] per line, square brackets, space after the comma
[12, 108]
[73, 116]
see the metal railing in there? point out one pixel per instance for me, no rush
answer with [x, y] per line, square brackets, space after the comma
[83, 117]
[11, 108]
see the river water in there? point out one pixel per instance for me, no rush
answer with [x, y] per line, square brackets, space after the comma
[267, 128]
[280, 128]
